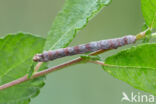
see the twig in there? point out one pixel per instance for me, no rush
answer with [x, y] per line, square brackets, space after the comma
[99, 52]
[41, 73]
[38, 66]
[98, 62]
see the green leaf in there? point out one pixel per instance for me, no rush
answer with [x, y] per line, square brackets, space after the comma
[73, 17]
[144, 27]
[149, 12]
[16, 52]
[136, 66]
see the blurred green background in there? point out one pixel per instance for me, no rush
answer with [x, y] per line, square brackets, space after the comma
[83, 83]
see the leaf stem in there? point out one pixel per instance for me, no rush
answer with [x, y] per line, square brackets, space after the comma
[38, 66]
[141, 34]
[118, 66]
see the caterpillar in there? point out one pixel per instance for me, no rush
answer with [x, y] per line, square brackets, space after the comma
[84, 48]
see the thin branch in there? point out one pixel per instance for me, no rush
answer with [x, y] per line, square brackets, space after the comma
[15, 82]
[37, 74]
[98, 62]
[44, 72]
[99, 52]
[37, 67]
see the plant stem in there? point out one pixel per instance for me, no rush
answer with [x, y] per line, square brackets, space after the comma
[141, 35]
[98, 62]
[38, 66]
[46, 71]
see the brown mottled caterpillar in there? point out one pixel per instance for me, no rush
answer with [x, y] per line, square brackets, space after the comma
[90, 47]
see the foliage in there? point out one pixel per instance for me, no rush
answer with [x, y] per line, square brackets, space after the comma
[16, 52]
[136, 66]
[149, 12]
[73, 17]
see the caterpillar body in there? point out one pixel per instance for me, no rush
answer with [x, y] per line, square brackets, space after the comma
[89, 47]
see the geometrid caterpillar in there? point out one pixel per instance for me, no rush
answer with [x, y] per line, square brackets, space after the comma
[89, 47]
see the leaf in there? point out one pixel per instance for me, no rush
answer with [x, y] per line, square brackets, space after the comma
[16, 52]
[144, 27]
[135, 66]
[149, 12]
[73, 17]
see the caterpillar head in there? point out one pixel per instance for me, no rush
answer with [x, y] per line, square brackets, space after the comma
[38, 58]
